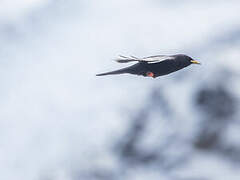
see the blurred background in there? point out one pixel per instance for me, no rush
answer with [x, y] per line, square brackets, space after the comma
[58, 121]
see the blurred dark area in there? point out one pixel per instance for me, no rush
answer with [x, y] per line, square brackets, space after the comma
[218, 107]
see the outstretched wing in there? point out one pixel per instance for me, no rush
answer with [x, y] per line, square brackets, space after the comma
[157, 58]
[149, 59]
[125, 59]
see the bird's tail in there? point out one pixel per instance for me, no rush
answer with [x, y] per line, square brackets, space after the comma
[120, 71]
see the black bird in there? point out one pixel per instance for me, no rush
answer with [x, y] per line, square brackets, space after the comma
[153, 66]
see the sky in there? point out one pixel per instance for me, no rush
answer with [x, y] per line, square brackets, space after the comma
[13, 10]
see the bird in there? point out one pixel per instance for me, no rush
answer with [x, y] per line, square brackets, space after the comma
[153, 66]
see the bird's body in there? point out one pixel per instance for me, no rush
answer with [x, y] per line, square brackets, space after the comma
[153, 66]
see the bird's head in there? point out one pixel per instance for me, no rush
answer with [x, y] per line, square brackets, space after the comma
[184, 59]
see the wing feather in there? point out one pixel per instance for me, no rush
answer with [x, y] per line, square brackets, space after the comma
[158, 58]
[149, 59]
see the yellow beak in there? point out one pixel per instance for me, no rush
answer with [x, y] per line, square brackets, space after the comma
[195, 62]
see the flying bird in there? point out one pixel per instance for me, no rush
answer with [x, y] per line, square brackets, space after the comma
[153, 66]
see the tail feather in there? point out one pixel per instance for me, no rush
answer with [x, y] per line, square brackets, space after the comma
[120, 71]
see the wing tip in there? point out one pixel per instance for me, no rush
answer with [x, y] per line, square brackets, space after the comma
[125, 59]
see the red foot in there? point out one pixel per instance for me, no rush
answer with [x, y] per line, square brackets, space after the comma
[150, 74]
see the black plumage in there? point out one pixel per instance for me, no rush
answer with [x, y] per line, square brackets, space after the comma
[153, 66]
